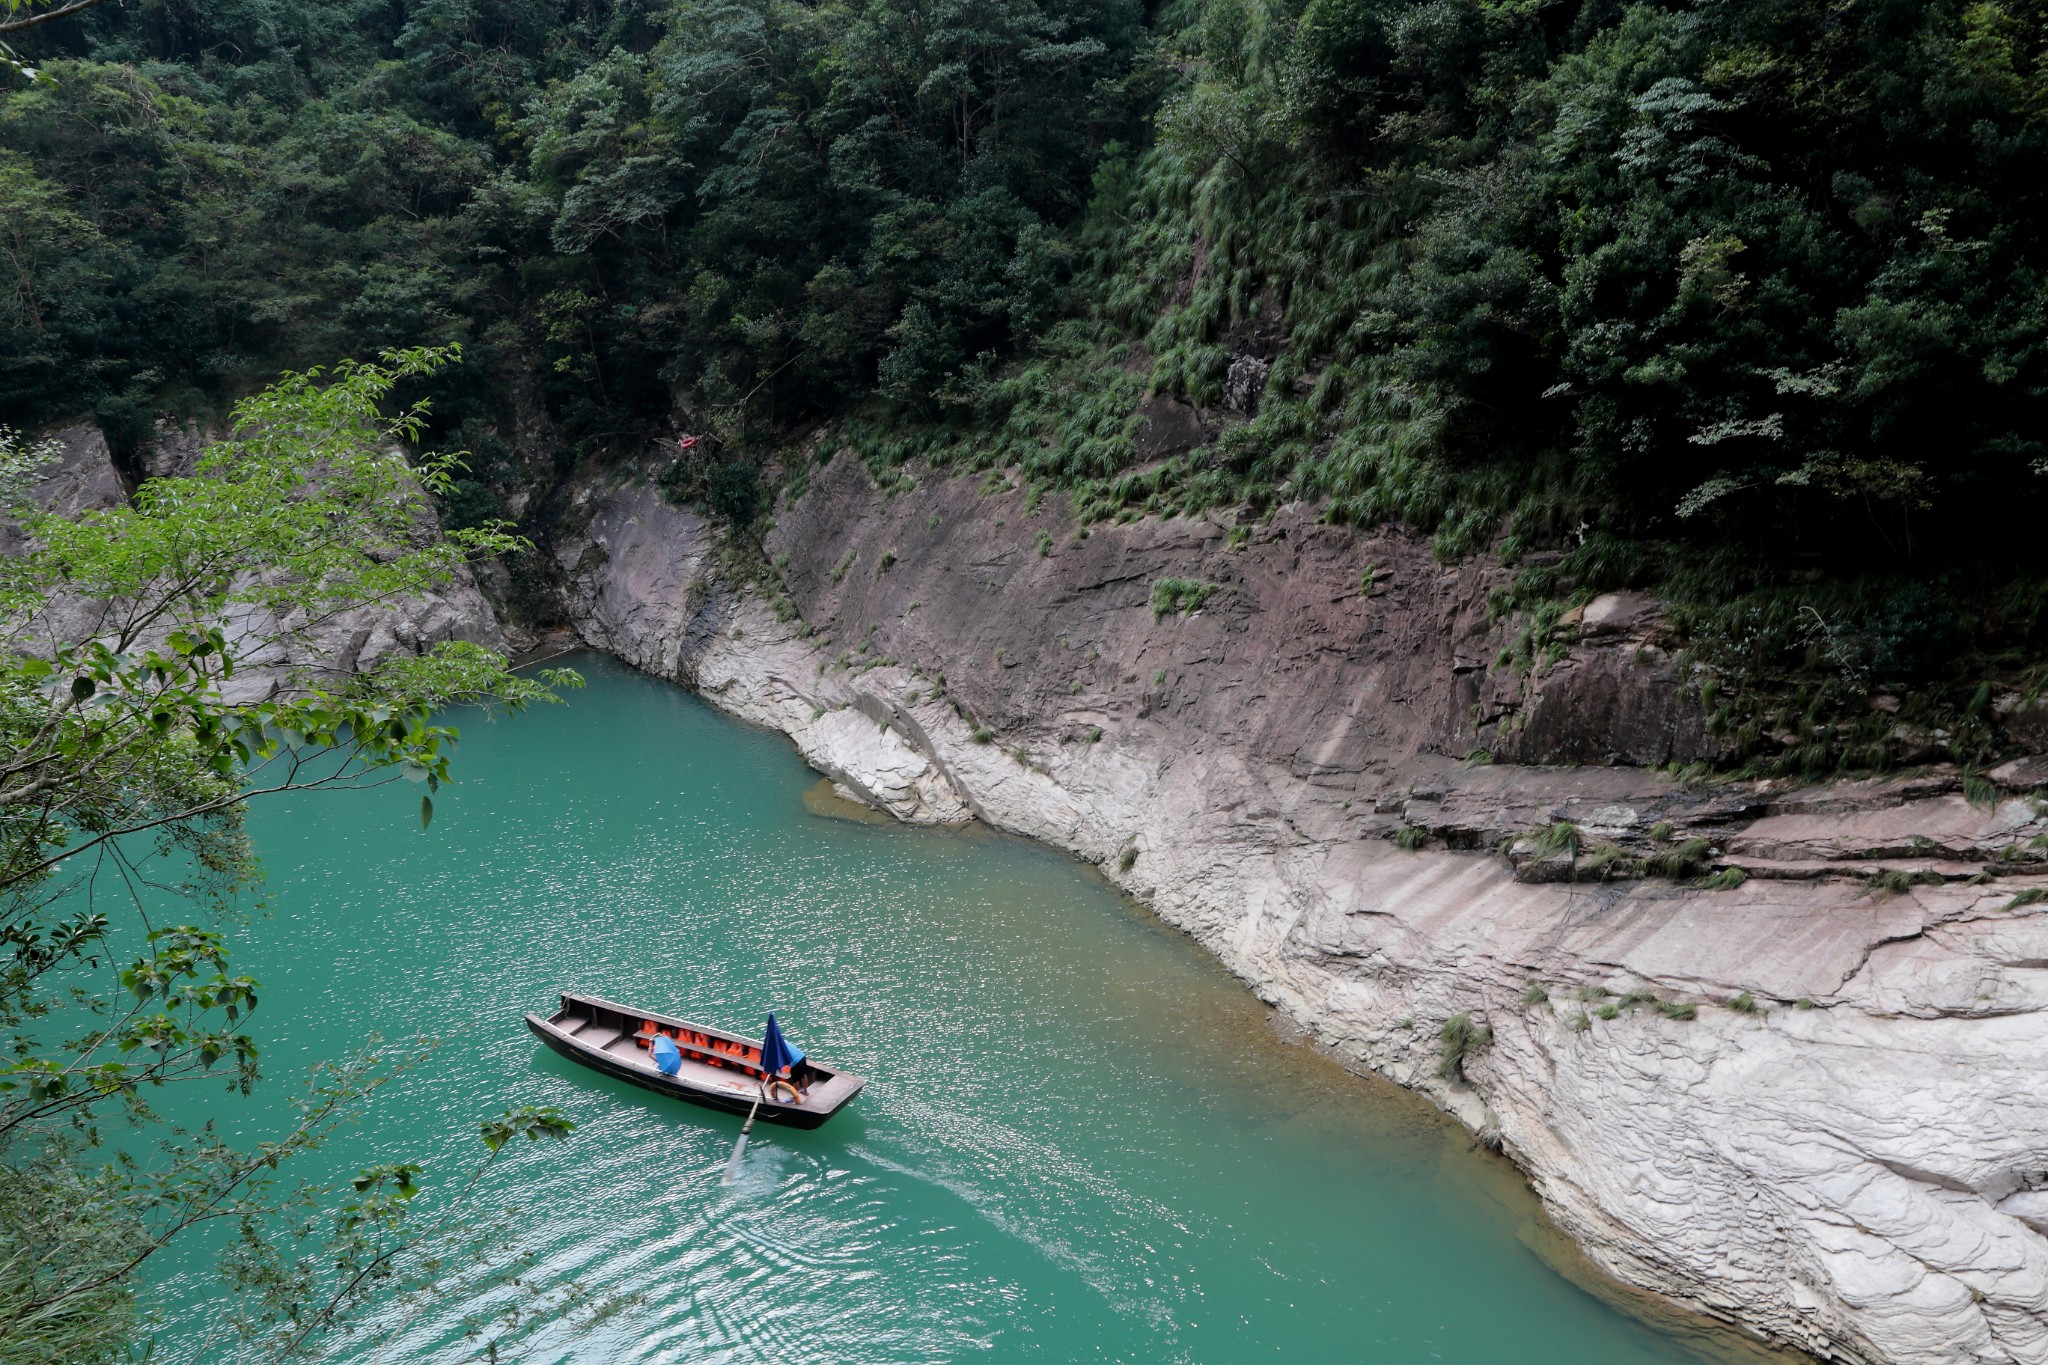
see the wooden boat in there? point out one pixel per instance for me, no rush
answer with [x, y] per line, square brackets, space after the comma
[719, 1069]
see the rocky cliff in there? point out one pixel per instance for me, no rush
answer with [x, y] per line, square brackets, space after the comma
[1774, 1052]
[276, 654]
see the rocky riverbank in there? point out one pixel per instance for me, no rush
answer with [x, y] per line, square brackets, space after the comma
[1805, 1096]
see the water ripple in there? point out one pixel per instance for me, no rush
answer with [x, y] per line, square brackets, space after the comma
[1081, 1140]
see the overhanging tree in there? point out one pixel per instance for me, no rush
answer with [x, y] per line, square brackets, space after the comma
[131, 734]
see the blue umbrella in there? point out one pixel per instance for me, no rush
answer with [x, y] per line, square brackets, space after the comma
[668, 1058]
[777, 1056]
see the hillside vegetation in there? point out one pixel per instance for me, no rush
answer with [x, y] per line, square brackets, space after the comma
[1740, 300]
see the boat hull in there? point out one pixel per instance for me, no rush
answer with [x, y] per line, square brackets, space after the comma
[828, 1092]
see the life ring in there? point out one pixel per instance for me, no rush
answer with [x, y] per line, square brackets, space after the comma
[777, 1087]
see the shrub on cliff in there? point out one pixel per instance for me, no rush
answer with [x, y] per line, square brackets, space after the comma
[1180, 597]
[1461, 1037]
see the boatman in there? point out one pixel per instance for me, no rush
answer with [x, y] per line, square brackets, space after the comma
[668, 1058]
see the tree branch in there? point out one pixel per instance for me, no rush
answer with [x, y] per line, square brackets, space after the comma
[30, 21]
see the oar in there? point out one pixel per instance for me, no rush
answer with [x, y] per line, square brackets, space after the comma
[732, 1166]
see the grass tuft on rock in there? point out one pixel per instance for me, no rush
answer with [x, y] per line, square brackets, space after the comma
[1686, 861]
[1180, 597]
[1461, 1038]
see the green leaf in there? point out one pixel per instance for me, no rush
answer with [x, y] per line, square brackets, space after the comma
[426, 811]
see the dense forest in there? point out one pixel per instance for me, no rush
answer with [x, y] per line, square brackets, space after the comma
[1739, 299]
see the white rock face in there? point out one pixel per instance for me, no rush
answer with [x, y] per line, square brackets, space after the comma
[1853, 1160]
[637, 581]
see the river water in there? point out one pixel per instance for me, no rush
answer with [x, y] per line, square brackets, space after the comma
[1081, 1141]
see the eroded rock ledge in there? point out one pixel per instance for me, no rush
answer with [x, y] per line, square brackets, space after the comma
[1810, 1104]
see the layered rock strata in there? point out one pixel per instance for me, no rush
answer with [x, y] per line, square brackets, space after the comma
[1774, 1052]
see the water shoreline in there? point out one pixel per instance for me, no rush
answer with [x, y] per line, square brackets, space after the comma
[929, 677]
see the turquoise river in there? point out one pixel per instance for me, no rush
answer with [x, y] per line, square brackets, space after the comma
[1082, 1140]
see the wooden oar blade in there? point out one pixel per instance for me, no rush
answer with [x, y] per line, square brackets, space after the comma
[732, 1165]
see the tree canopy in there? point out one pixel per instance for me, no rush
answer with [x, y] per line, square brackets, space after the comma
[764, 207]
[1711, 296]
[1706, 272]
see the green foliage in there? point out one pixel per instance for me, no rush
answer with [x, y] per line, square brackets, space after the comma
[389, 1239]
[1745, 1003]
[728, 217]
[1461, 1038]
[1411, 837]
[2033, 895]
[1688, 859]
[735, 491]
[1629, 280]
[1897, 882]
[308, 512]
[1678, 290]
[1605, 862]
[1180, 597]
[1710, 297]
[54, 1200]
